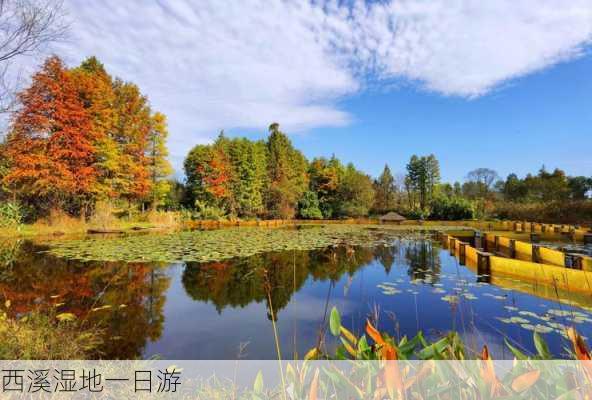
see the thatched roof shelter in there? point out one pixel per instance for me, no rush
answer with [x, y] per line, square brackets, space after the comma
[392, 217]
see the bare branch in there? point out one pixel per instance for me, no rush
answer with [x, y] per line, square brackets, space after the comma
[27, 27]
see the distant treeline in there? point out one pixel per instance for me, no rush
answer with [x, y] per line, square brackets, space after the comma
[272, 179]
[80, 137]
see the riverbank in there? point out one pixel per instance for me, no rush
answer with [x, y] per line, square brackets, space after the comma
[64, 225]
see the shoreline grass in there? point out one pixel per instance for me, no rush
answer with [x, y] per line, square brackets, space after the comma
[46, 336]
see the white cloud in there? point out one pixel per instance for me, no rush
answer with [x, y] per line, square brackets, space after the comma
[214, 64]
[467, 48]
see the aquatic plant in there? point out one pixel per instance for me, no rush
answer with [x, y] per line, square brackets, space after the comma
[377, 367]
[380, 345]
[221, 244]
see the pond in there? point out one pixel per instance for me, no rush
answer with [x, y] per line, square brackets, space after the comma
[224, 309]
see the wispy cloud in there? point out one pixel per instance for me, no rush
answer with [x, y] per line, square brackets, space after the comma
[214, 64]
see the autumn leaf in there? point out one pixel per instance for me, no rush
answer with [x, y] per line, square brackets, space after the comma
[488, 373]
[525, 381]
[374, 334]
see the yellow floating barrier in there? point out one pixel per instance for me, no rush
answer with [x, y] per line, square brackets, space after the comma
[550, 256]
[564, 278]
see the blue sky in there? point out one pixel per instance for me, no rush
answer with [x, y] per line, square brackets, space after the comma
[541, 119]
[503, 84]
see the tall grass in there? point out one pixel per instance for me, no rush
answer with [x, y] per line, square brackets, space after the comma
[58, 220]
[43, 336]
[103, 216]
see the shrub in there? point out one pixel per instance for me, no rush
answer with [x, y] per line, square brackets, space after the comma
[566, 212]
[204, 211]
[451, 209]
[11, 214]
[414, 214]
[308, 206]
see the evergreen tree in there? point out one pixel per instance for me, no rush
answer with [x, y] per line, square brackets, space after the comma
[287, 170]
[248, 177]
[423, 177]
[385, 190]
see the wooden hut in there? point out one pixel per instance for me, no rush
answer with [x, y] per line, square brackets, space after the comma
[391, 218]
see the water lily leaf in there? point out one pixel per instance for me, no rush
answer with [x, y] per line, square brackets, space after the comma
[450, 299]
[519, 320]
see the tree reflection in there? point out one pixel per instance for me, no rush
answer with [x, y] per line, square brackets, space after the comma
[125, 301]
[423, 260]
[238, 282]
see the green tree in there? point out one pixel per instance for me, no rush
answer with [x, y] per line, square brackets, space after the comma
[248, 163]
[325, 177]
[356, 193]
[175, 198]
[158, 164]
[421, 181]
[548, 186]
[385, 190]
[451, 208]
[514, 188]
[579, 187]
[287, 171]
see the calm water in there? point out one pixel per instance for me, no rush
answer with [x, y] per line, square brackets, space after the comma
[223, 310]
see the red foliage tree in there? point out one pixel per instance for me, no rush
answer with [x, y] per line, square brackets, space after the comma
[50, 145]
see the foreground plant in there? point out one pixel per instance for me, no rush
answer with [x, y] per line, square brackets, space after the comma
[392, 375]
[45, 336]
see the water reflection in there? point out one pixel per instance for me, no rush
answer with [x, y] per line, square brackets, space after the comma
[124, 300]
[239, 282]
[423, 260]
[209, 310]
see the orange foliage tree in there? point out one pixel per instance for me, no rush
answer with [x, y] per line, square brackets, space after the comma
[81, 136]
[51, 144]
